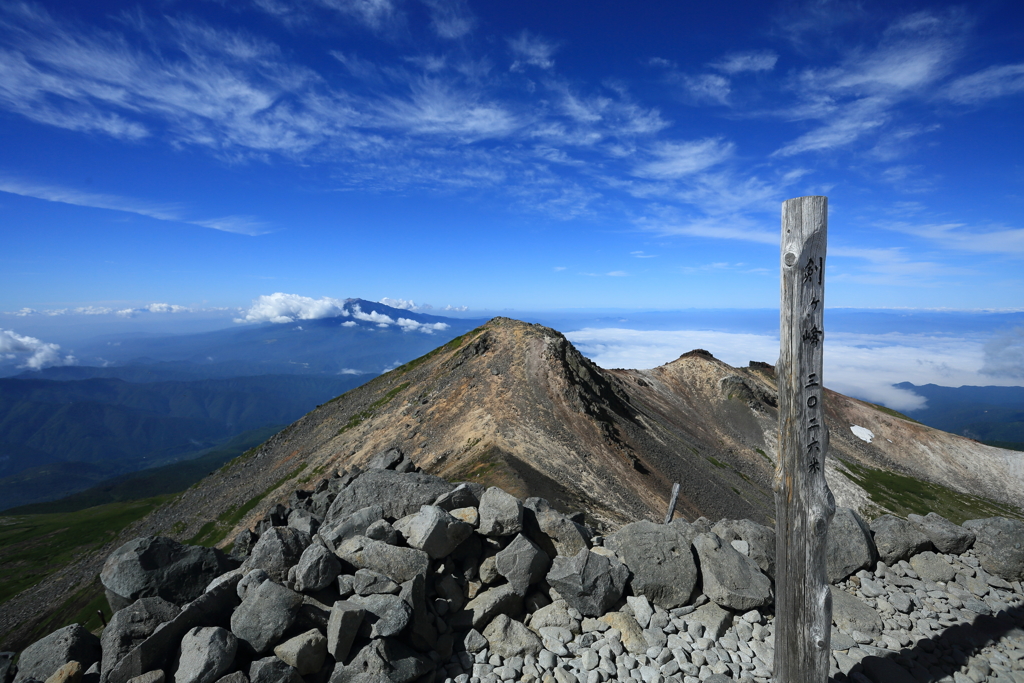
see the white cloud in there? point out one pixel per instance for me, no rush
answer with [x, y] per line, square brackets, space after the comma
[286, 308]
[350, 371]
[415, 326]
[961, 237]
[738, 62]
[617, 273]
[33, 353]
[859, 365]
[458, 309]
[707, 88]
[372, 317]
[531, 50]
[238, 224]
[987, 84]
[451, 19]
[349, 323]
[404, 304]
[673, 160]
[1004, 355]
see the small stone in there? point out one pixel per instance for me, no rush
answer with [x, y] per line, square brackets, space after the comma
[306, 652]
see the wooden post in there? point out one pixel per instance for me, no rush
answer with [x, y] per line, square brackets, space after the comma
[804, 505]
[672, 503]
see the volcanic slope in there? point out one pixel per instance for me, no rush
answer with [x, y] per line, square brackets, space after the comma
[516, 405]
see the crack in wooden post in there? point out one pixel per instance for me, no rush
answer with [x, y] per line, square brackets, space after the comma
[804, 505]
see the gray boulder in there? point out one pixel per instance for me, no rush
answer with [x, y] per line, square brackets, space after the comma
[236, 677]
[207, 653]
[433, 531]
[46, 655]
[130, 626]
[161, 567]
[462, 496]
[422, 633]
[273, 670]
[384, 615]
[1000, 546]
[660, 560]
[510, 638]
[947, 537]
[264, 616]
[850, 614]
[760, 541]
[342, 627]
[279, 549]
[369, 582]
[350, 526]
[306, 652]
[6, 666]
[897, 539]
[318, 568]
[383, 661]
[480, 610]
[731, 580]
[303, 520]
[849, 547]
[398, 494]
[932, 567]
[522, 563]
[386, 460]
[398, 564]
[251, 581]
[589, 582]
[382, 531]
[501, 514]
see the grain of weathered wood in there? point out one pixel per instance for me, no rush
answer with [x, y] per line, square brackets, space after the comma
[804, 504]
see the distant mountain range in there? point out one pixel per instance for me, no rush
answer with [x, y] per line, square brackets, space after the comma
[157, 400]
[992, 415]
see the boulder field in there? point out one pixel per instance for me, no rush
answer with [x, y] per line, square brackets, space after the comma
[390, 575]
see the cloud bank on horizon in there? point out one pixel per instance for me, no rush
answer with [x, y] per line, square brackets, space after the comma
[390, 132]
[286, 308]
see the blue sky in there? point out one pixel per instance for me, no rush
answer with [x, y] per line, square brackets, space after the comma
[528, 155]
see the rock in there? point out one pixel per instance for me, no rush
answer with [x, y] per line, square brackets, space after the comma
[470, 516]
[660, 560]
[69, 673]
[522, 563]
[850, 613]
[556, 614]
[713, 618]
[589, 582]
[555, 533]
[350, 526]
[760, 541]
[346, 617]
[1000, 546]
[398, 494]
[264, 616]
[500, 600]
[212, 607]
[731, 580]
[251, 581]
[130, 626]
[501, 514]
[885, 670]
[385, 661]
[69, 644]
[6, 666]
[474, 641]
[422, 634]
[306, 652]
[641, 609]
[369, 582]
[897, 539]
[849, 546]
[279, 549]
[317, 569]
[462, 496]
[510, 638]
[385, 615]
[386, 460]
[158, 676]
[632, 635]
[383, 532]
[156, 566]
[398, 564]
[207, 653]
[932, 567]
[273, 670]
[236, 677]
[947, 537]
[433, 531]
[303, 520]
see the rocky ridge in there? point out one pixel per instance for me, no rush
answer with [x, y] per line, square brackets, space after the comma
[391, 575]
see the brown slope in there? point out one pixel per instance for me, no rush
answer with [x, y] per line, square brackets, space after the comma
[515, 405]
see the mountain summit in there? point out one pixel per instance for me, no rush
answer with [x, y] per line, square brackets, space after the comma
[515, 405]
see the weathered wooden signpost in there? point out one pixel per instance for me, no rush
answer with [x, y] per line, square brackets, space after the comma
[804, 505]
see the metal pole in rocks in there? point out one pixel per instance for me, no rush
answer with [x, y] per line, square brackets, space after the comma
[804, 505]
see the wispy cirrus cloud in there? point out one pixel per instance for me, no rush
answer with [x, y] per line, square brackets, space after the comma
[987, 84]
[738, 62]
[242, 225]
